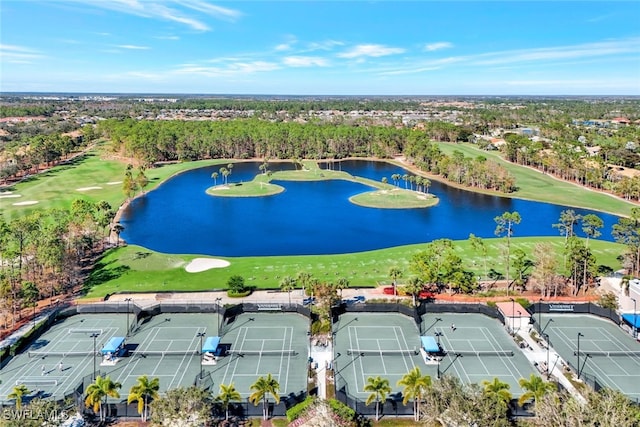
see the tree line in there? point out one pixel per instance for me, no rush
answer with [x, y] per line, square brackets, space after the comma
[174, 140]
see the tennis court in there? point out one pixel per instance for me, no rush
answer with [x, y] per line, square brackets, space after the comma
[56, 363]
[606, 352]
[370, 345]
[478, 348]
[167, 347]
[258, 344]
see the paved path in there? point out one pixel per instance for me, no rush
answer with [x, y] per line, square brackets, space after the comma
[538, 356]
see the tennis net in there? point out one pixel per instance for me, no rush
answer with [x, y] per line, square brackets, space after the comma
[37, 382]
[242, 353]
[44, 354]
[392, 352]
[164, 353]
[504, 353]
[85, 331]
[613, 353]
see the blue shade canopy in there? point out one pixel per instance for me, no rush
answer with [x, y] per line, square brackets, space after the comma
[633, 320]
[430, 345]
[112, 345]
[211, 344]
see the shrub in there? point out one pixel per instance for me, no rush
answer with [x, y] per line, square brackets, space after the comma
[242, 294]
[342, 410]
[295, 411]
[236, 284]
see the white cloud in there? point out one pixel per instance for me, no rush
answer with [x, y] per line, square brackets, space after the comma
[324, 45]
[430, 47]
[18, 54]
[181, 11]
[305, 61]
[167, 37]
[586, 50]
[283, 46]
[132, 47]
[211, 9]
[231, 69]
[372, 50]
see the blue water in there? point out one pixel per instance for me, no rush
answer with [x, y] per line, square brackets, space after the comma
[317, 217]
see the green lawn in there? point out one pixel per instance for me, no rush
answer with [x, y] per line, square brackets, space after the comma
[137, 269]
[61, 185]
[534, 185]
[394, 199]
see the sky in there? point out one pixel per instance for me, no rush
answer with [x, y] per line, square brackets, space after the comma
[321, 48]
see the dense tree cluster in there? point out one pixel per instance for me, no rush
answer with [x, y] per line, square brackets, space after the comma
[42, 253]
[159, 141]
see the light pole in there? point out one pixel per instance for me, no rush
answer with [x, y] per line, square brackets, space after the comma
[438, 335]
[546, 337]
[94, 336]
[519, 320]
[578, 352]
[128, 300]
[200, 335]
[513, 314]
[635, 328]
[218, 315]
[540, 315]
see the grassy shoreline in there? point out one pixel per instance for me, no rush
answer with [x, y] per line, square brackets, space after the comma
[59, 186]
[137, 269]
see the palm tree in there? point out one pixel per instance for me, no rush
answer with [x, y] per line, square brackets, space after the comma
[215, 178]
[287, 284]
[405, 178]
[143, 392]
[98, 392]
[228, 393]
[17, 393]
[343, 283]
[380, 389]
[225, 173]
[426, 183]
[415, 385]
[497, 389]
[414, 287]
[118, 228]
[535, 388]
[263, 387]
[395, 273]
[304, 279]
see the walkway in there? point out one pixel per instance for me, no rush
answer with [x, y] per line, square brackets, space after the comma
[543, 356]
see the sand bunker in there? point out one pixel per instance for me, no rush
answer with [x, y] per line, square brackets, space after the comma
[7, 196]
[114, 182]
[88, 188]
[203, 264]
[29, 202]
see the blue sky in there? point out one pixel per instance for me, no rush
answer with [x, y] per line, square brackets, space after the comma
[324, 48]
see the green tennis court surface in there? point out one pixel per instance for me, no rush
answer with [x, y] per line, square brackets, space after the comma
[499, 356]
[62, 356]
[261, 344]
[606, 352]
[357, 339]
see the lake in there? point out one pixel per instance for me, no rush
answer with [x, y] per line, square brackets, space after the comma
[316, 217]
